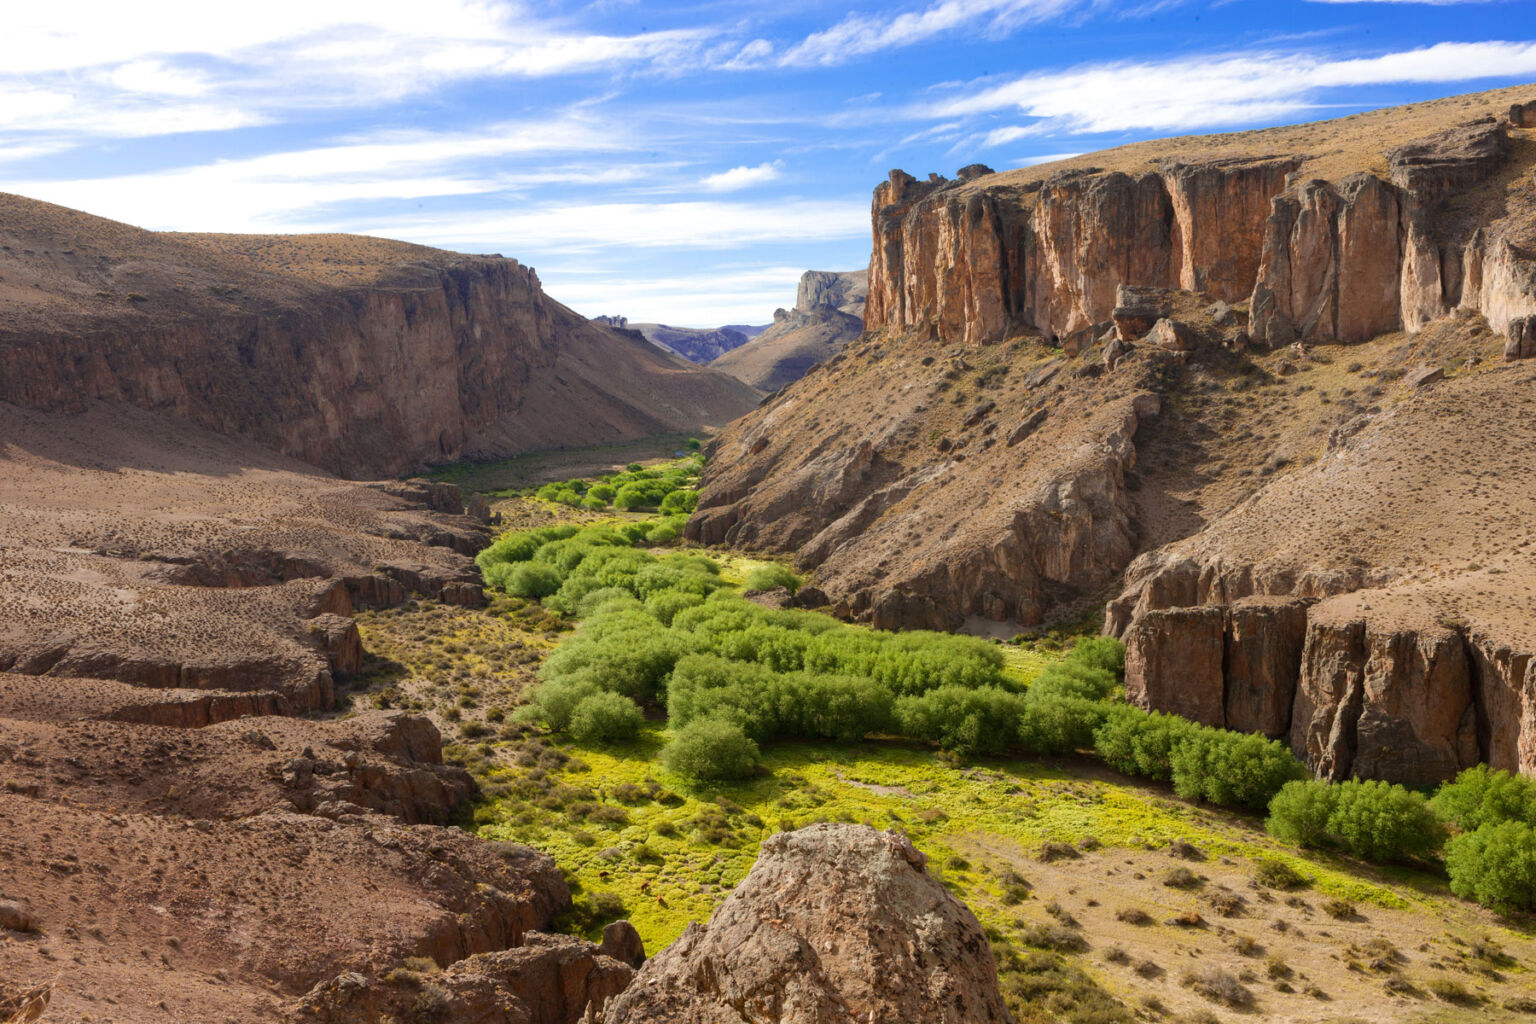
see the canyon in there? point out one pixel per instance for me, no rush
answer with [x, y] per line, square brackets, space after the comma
[1260, 392]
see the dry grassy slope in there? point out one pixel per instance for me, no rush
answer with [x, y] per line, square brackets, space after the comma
[362, 355]
[1294, 475]
[784, 352]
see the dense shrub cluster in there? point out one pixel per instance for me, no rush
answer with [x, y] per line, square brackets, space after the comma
[669, 490]
[1216, 765]
[565, 565]
[1493, 859]
[1373, 820]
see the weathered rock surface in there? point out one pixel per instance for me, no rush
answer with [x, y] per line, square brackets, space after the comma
[834, 923]
[363, 356]
[548, 979]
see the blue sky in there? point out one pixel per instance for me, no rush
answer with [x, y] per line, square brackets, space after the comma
[679, 162]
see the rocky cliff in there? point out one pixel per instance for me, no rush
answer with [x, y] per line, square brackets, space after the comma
[1236, 379]
[362, 356]
[828, 313]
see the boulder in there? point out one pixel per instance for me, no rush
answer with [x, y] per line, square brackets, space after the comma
[1522, 338]
[835, 923]
[1423, 376]
[1172, 335]
[622, 943]
[1523, 115]
[1137, 309]
[16, 916]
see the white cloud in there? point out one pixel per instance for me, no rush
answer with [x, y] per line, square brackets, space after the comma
[1043, 158]
[742, 296]
[1208, 91]
[858, 35]
[738, 178]
[574, 228]
[287, 191]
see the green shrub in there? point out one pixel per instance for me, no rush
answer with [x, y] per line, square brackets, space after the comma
[605, 718]
[766, 577]
[665, 604]
[1479, 796]
[532, 581]
[593, 504]
[711, 749]
[1232, 769]
[1137, 742]
[680, 502]
[979, 721]
[1372, 820]
[1059, 725]
[602, 492]
[663, 533]
[1495, 865]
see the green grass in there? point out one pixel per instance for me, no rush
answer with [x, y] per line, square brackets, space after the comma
[534, 468]
[676, 858]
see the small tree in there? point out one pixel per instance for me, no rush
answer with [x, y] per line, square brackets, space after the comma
[605, 718]
[711, 749]
[1495, 865]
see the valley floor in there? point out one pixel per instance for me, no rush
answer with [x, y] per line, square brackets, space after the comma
[1073, 870]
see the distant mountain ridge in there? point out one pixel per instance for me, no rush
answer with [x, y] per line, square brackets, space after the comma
[828, 313]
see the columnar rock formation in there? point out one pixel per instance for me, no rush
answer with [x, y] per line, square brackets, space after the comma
[1321, 260]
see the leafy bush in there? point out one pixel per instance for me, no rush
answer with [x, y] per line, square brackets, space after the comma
[766, 577]
[980, 721]
[532, 581]
[604, 718]
[1277, 874]
[1233, 769]
[1373, 820]
[1495, 865]
[711, 749]
[1479, 796]
[1059, 725]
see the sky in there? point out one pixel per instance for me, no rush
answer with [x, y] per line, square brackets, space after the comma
[682, 162]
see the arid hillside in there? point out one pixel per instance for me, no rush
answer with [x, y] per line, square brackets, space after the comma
[177, 843]
[1269, 384]
[828, 313]
[364, 356]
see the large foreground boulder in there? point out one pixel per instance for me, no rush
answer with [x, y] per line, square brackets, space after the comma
[835, 923]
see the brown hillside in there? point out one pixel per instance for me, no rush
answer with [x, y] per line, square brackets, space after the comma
[1204, 364]
[362, 355]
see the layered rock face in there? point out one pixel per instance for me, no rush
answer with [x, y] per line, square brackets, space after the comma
[975, 263]
[1322, 261]
[834, 923]
[418, 356]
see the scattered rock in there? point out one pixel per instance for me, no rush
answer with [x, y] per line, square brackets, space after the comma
[1522, 338]
[1137, 309]
[1172, 335]
[17, 917]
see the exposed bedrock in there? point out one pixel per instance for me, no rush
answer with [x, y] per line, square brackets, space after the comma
[1321, 260]
[976, 262]
[366, 381]
[834, 923]
[1412, 697]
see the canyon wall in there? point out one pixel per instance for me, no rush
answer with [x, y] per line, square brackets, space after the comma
[403, 357]
[1322, 261]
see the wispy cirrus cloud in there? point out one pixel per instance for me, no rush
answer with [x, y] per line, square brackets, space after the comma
[859, 35]
[1205, 91]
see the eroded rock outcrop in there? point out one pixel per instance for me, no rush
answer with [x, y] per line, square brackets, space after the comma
[834, 923]
[368, 358]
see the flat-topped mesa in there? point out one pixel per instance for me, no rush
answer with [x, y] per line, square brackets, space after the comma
[978, 259]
